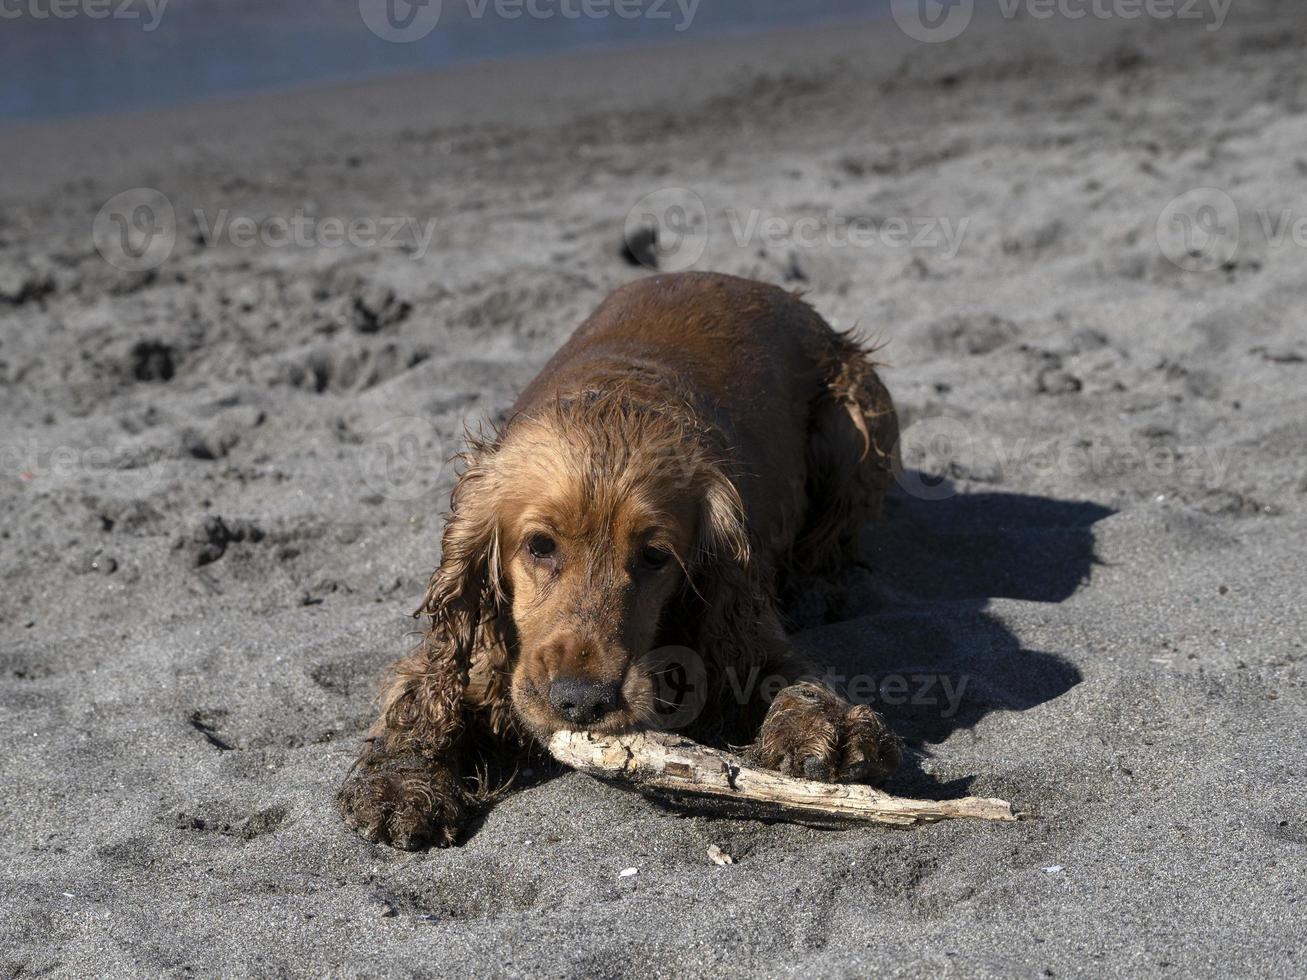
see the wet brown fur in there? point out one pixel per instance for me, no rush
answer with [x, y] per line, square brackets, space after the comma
[717, 420]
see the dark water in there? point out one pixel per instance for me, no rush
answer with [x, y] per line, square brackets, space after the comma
[105, 55]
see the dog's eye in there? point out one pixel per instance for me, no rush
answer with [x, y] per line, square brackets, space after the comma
[654, 557]
[541, 546]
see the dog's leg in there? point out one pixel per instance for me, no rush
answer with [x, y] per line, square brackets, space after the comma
[410, 785]
[812, 732]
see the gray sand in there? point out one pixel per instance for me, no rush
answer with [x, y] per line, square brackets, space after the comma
[206, 562]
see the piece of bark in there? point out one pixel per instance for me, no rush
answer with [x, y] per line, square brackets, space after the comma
[668, 765]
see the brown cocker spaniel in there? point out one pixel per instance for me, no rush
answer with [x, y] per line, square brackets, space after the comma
[700, 448]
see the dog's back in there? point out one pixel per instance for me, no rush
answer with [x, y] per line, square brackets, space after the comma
[809, 425]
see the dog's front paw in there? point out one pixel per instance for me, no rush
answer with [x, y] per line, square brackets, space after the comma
[813, 733]
[407, 801]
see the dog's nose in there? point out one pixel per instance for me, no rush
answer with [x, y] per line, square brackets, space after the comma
[582, 702]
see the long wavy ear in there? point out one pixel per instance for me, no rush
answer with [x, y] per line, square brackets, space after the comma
[738, 627]
[723, 535]
[739, 633]
[466, 590]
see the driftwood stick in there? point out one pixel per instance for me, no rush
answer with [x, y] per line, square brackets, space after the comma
[669, 765]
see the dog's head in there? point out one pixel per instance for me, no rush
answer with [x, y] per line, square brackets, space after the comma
[575, 537]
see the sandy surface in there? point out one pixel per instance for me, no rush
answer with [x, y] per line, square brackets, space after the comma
[206, 561]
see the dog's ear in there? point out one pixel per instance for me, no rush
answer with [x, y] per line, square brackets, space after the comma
[466, 590]
[723, 535]
[728, 576]
[731, 599]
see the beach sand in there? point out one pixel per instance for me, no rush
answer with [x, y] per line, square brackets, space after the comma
[212, 533]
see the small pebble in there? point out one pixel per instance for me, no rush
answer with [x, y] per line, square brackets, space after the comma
[640, 247]
[627, 872]
[104, 564]
[718, 856]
